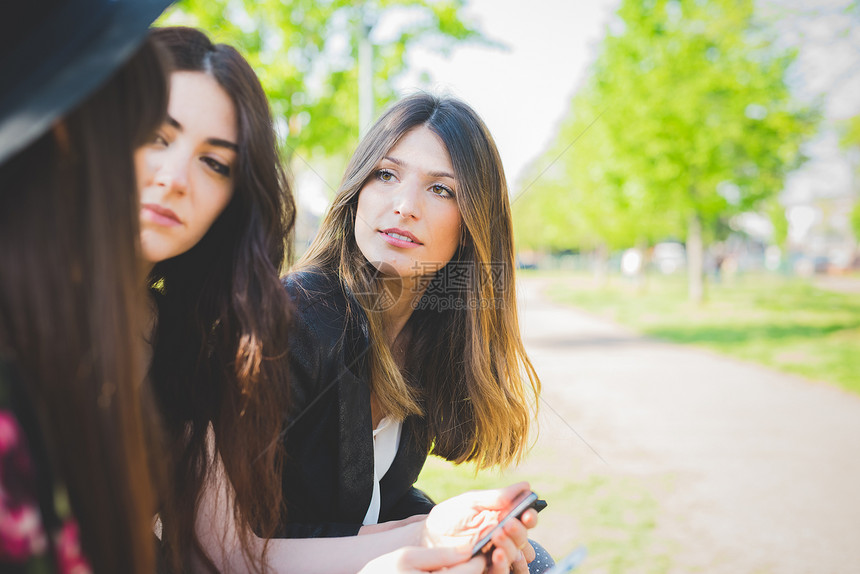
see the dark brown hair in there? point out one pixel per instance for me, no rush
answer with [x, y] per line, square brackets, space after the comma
[70, 306]
[467, 371]
[221, 335]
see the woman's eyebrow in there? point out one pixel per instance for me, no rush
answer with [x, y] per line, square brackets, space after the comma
[223, 143]
[211, 141]
[401, 163]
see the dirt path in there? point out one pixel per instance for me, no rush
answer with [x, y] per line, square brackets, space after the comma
[761, 470]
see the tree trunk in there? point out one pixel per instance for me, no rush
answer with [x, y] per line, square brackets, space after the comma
[601, 265]
[695, 260]
[641, 277]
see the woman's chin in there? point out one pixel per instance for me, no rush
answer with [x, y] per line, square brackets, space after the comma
[153, 254]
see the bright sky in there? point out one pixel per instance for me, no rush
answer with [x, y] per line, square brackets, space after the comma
[829, 61]
[523, 91]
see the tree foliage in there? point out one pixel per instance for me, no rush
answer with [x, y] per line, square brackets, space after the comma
[305, 52]
[851, 141]
[851, 133]
[855, 221]
[696, 124]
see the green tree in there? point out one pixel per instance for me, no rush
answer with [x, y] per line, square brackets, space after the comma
[851, 133]
[698, 122]
[305, 52]
[855, 221]
[581, 194]
[851, 142]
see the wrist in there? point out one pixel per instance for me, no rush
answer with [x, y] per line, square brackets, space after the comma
[419, 534]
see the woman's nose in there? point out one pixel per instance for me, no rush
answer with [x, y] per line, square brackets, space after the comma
[407, 201]
[173, 174]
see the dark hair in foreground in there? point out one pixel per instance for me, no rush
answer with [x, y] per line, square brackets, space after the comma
[70, 307]
[221, 336]
[467, 371]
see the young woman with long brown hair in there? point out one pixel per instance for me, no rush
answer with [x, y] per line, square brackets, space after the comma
[81, 89]
[216, 214]
[216, 217]
[406, 338]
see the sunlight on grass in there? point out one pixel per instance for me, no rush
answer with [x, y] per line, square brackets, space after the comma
[614, 517]
[779, 322]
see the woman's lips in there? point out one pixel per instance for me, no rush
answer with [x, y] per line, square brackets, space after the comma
[400, 238]
[160, 215]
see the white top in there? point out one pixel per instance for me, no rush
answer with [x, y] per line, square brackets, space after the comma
[386, 439]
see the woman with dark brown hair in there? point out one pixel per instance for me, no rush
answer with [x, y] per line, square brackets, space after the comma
[216, 218]
[80, 92]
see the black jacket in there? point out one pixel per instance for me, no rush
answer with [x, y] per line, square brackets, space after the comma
[328, 477]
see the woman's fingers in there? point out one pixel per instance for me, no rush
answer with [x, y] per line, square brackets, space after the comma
[512, 550]
[505, 496]
[474, 566]
[529, 552]
[506, 544]
[529, 518]
[500, 562]
[496, 498]
[520, 565]
[518, 533]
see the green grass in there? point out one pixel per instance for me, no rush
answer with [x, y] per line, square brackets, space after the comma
[783, 323]
[615, 517]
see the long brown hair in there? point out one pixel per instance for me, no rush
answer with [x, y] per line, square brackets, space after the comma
[221, 331]
[467, 372]
[70, 306]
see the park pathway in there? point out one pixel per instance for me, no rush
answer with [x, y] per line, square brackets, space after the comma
[760, 471]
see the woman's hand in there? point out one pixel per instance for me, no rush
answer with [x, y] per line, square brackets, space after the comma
[463, 519]
[512, 551]
[414, 560]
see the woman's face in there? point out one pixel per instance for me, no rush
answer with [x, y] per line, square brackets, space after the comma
[185, 175]
[408, 222]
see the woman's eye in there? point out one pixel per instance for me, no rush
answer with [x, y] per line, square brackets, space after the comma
[217, 166]
[384, 175]
[159, 140]
[442, 190]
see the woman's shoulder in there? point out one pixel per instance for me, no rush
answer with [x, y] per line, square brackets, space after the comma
[319, 301]
[325, 313]
[326, 338]
[313, 286]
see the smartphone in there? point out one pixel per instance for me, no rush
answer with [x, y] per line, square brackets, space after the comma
[523, 502]
[569, 563]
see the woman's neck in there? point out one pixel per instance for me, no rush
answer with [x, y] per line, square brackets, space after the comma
[401, 296]
[145, 267]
